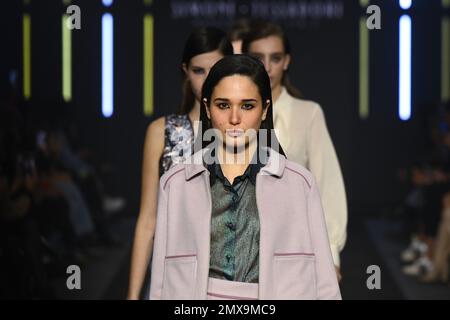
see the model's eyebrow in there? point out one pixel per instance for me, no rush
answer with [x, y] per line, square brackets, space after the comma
[221, 99]
[227, 100]
[262, 54]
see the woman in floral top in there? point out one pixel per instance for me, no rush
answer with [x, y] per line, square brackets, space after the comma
[169, 140]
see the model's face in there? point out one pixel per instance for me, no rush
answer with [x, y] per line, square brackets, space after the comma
[198, 69]
[236, 107]
[270, 51]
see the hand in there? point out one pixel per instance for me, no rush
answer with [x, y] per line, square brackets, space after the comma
[338, 273]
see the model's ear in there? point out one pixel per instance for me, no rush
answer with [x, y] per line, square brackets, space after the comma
[287, 61]
[264, 115]
[205, 104]
[185, 68]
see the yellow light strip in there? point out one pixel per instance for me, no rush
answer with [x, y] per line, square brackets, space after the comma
[364, 3]
[26, 56]
[445, 56]
[66, 59]
[148, 65]
[363, 69]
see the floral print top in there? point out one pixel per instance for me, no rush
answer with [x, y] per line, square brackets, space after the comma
[178, 141]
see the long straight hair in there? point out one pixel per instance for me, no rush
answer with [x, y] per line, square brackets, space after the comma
[263, 29]
[201, 40]
[252, 68]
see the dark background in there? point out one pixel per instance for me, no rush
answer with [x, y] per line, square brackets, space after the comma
[325, 62]
[324, 68]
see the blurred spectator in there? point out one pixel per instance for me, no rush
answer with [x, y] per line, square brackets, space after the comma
[428, 202]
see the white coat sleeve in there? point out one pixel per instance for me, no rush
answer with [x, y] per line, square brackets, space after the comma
[326, 281]
[323, 163]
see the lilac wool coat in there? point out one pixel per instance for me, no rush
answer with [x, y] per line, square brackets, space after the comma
[295, 260]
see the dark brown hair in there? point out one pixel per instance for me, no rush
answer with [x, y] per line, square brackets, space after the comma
[201, 40]
[263, 29]
[246, 66]
[239, 29]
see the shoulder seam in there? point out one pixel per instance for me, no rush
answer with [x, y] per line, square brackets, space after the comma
[300, 174]
[170, 177]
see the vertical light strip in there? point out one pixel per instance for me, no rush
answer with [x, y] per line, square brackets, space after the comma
[363, 69]
[445, 59]
[363, 63]
[107, 65]
[404, 104]
[66, 59]
[405, 4]
[445, 56]
[148, 65]
[26, 56]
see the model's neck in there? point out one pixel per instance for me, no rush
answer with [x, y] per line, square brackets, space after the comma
[276, 92]
[234, 163]
[194, 116]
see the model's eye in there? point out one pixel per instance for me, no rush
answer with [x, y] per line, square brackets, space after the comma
[277, 59]
[198, 70]
[247, 106]
[222, 105]
[258, 56]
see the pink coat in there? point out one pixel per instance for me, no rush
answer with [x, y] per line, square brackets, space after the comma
[294, 258]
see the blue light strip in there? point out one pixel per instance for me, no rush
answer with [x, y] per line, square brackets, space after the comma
[107, 3]
[107, 65]
[404, 93]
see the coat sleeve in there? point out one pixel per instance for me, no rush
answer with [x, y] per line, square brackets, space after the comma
[324, 164]
[326, 279]
[159, 247]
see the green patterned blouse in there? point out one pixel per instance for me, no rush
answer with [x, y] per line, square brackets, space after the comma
[234, 226]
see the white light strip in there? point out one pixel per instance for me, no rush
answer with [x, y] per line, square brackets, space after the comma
[107, 65]
[405, 4]
[404, 92]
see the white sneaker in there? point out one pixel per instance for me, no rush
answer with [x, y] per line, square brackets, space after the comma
[112, 205]
[422, 266]
[416, 249]
[408, 255]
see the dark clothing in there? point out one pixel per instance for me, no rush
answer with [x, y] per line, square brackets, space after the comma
[235, 226]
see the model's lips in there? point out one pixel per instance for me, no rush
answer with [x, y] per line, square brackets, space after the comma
[234, 133]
